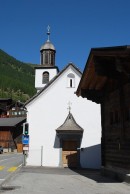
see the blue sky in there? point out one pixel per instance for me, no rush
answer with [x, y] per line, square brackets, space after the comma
[76, 27]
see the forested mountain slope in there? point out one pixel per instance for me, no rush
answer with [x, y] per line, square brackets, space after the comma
[16, 78]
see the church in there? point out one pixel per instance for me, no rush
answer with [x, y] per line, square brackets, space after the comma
[64, 130]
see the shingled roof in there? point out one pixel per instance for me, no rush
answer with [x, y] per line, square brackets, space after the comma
[69, 125]
[11, 122]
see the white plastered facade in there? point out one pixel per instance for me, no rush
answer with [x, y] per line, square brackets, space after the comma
[39, 76]
[48, 110]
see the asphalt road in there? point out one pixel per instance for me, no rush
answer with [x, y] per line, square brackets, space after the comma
[42, 180]
[9, 162]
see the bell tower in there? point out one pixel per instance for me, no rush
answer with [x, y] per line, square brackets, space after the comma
[48, 52]
[47, 69]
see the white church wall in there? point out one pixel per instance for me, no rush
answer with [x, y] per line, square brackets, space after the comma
[49, 110]
[38, 76]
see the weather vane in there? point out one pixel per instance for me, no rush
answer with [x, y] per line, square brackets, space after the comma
[48, 32]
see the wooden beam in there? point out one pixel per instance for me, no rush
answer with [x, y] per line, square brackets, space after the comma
[90, 73]
[101, 82]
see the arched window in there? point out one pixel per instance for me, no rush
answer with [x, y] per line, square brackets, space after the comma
[71, 80]
[45, 77]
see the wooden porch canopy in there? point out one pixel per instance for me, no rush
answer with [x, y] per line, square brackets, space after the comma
[69, 129]
[105, 69]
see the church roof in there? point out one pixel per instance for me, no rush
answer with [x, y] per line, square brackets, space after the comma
[47, 45]
[50, 82]
[69, 125]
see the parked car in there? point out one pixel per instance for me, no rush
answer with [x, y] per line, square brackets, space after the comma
[1, 150]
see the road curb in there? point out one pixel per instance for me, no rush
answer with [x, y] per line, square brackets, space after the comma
[8, 177]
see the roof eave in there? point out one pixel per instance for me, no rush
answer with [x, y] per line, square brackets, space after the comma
[118, 51]
[46, 86]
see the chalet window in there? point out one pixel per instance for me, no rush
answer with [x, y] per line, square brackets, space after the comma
[45, 77]
[70, 80]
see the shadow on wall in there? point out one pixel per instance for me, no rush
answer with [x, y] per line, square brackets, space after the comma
[57, 142]
[90, 157]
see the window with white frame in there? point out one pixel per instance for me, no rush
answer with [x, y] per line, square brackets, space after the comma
[70, 80]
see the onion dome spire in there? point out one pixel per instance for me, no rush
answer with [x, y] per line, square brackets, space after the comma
[48, 33]
[48, 51]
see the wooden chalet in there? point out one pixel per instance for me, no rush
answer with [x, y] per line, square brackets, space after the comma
[4, 104]
[11, 108]
[12, 117]
[11, 130]
[106, 80]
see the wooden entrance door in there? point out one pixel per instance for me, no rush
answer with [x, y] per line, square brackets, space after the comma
[5, 138]
[69, 154]
[19, 147]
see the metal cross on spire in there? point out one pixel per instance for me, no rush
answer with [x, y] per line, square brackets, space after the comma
[69, 106]
[48, 32]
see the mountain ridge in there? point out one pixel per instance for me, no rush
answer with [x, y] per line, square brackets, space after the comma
[16, 78]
